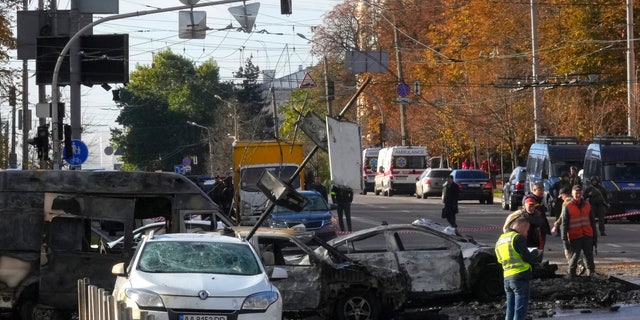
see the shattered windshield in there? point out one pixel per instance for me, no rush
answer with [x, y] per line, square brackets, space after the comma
[198, 257]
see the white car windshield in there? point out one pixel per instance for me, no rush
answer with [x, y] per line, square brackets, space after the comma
[198, 257]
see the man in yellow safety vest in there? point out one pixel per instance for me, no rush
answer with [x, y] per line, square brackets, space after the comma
[516, 259]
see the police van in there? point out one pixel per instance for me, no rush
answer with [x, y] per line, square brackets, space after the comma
[616, 160]
[549, 157]
[369, 165]
[398, 168]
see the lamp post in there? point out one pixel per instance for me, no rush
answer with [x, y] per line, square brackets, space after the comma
[235, 115]
[210, 144]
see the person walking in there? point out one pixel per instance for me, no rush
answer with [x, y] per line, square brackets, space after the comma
[318, 186]
[578, 231]
[574, 178]
[541, 228]
[565, 196]
[450, 192]
[516, 260]
[556, 204]
[342, 197]
[597, 196]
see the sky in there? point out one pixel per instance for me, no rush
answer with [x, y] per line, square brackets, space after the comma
[273, 44]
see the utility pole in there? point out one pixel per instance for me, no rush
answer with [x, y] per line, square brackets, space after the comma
[403, 105]
[631, 72]
[327, 92]
[534, 49]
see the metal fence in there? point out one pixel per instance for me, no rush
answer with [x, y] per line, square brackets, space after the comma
[98, 304]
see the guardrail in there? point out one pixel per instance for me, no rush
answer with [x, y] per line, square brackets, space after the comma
[98, 304]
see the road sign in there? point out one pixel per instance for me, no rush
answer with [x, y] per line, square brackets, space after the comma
[80, 153]
[403, 89]
[307, 81]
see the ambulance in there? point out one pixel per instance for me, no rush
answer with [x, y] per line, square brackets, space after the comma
[369, 165]
[398, 168]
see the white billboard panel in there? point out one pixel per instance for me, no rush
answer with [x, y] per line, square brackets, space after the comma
[345, 149]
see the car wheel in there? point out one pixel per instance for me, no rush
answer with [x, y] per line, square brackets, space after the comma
[489, 200]
[358, 305]
[490, 285]
[514, 206]
[424, 196]
[481, 201]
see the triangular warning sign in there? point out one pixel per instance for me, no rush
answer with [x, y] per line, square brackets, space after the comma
[307, 81]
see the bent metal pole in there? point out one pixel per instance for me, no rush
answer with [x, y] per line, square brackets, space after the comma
[55, 96]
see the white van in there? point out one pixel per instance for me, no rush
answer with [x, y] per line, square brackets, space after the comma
[369, 165]
[398, 168]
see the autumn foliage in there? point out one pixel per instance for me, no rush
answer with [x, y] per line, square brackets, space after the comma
[473, 59]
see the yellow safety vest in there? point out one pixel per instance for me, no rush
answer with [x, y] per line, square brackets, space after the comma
[510, 259]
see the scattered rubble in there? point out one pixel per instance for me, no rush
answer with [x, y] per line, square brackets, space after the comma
[604, 290]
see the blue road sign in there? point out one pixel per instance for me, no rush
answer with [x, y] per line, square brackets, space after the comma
[79, 155]
[403, 89]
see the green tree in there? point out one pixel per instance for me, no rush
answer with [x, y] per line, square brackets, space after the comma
[155, 107]
[255, 119]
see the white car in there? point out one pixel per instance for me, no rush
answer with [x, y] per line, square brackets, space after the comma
[188, 276]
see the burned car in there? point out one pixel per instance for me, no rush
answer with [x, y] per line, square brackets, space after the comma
[329, 285]
[436, 261]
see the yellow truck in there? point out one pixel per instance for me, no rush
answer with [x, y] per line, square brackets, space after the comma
[250, 160]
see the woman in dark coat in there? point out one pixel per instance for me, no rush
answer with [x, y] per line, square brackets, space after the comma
[450, 192]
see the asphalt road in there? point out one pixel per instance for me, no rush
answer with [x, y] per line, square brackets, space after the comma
[483, 222]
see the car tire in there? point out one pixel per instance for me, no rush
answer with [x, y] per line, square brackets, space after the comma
[490, 285]
[489, 200]
[424, 196]
[358, 305]
[481, 201]
[514, 206]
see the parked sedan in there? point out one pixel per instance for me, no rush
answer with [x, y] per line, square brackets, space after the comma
[513, 189]
[430, 182]
[474, 185]
[315, 216]
[436, 261]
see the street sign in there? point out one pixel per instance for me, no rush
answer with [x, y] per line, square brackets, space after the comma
[246, 15]
[79, 155]
[307, 81]
[403, 89]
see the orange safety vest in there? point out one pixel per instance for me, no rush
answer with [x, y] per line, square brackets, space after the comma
[579, 220]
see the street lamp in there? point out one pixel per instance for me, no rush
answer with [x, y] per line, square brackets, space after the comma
[235, 115]
[210, 144]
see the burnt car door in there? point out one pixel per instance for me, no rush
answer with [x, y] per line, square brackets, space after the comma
[301, 290]
[433, 262]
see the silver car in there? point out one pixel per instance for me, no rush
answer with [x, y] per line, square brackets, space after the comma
[430, 182]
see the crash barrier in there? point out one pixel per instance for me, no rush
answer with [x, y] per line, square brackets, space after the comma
[98, 304]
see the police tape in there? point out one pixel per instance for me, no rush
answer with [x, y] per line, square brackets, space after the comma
[622, 215]
[483, 228]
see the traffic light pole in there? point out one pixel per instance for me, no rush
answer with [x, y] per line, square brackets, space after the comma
[55, 95]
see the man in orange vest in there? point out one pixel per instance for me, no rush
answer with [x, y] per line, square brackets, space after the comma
[577, 230]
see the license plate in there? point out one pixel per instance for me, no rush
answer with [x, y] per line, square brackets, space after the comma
[474, 185]
[201, 317]
[400, 178]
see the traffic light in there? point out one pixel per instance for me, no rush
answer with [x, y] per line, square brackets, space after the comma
[68, 149]
[285, 6]
[330, 90]
[42, 142]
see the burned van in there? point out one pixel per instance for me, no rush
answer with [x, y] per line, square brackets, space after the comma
[54, 226]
